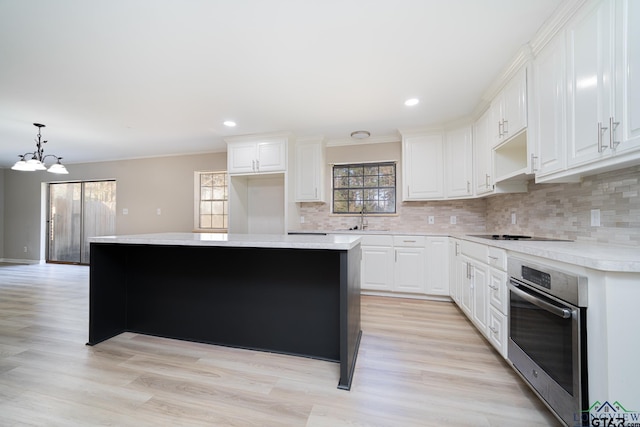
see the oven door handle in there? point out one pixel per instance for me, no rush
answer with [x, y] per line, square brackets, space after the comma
[558, 311]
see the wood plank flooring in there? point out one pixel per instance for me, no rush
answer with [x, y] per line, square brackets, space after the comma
[421, 363]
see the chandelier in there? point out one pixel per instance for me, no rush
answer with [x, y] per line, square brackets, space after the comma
[35, 161]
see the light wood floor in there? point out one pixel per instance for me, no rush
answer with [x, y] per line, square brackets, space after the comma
[421, 363]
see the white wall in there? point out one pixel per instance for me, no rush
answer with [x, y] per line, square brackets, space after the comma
[143, 186]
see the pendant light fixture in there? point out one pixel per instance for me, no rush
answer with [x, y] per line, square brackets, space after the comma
[35, 161]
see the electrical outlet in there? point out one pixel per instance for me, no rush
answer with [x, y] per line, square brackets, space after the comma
[595, 217]
[301, 220]
[431, 219]
[125, 211]
[158, 211]
[26, 249]
[513, 218]
[453, 219]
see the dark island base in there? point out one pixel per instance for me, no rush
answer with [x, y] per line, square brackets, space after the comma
[300, 302]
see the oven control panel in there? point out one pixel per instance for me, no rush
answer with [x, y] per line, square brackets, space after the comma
[538, 277]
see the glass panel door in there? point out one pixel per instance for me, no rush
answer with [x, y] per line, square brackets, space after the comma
[99, 213]
[65, 226]
[77, 211]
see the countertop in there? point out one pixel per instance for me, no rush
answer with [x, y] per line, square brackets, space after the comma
[589, 255]
[330, 242]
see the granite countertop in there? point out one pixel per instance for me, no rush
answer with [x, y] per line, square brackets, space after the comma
[330, 242]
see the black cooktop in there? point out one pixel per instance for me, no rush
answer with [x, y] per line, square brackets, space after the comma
[518, 237]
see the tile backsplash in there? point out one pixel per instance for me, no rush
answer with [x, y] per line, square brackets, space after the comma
[564, 210]
[546, 210]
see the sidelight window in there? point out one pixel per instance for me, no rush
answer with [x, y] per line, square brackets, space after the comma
[365, 186]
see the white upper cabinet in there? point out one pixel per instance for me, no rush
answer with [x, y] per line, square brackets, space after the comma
[627, 66]
[310, 168]
[601, 73]
[483, 164]
[459, 163]
[590, 72]
[422, 167]
[261, 155]
[509, 109]
[548, 128]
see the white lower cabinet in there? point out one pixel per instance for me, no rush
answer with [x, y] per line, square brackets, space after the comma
[479, 281]
[378, 261]
[405, 264]
[497, 330]
[409, 269]
[479, 295]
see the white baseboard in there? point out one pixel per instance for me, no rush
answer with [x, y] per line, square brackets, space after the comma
[21, 261]
[405, 295]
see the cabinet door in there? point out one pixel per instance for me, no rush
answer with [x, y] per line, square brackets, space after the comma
[377, 268]
[627, 77]
[454, 252]
[466, 285]
[514, 102]
[483, 165]
[271, 156]
[480, 298]
[423, 167]
[241, 158]
[409, 270]
[309, 168]
[437, 278]
[549, 126]
[590, 72]
[459, 162]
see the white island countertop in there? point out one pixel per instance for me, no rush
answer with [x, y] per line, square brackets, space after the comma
[329, 242]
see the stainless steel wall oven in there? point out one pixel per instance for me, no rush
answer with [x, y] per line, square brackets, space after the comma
[547, 335]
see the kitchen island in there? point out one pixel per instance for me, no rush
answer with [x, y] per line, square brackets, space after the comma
[296, 295]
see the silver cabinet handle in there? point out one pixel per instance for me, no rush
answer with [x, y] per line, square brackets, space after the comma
[533, 163]
[505, 129]
[457, 248]
[486, 180]
[500, 129]
[468, 187]
[612, 128]
[257, 164]
[493, 330]
[601, 129]
[495, 288]
[409, 241]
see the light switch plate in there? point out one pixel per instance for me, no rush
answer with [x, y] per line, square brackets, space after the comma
[125, 211]
[432, 219]
[513, 218]
[453, 219]
[595, 217]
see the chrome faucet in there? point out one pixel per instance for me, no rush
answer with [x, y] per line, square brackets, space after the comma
[363, 220]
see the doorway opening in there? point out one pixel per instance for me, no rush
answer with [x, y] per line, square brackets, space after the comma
[76, 212]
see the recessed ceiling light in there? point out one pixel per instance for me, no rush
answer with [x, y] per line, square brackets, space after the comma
[411, 102]
[229, 123]
[360, 134]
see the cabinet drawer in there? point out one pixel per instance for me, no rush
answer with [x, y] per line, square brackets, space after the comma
[475, 250]
[376, 240]
[409, 241]
[498, 258]
[497, 331]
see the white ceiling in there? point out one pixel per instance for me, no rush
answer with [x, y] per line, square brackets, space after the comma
[135, 78]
